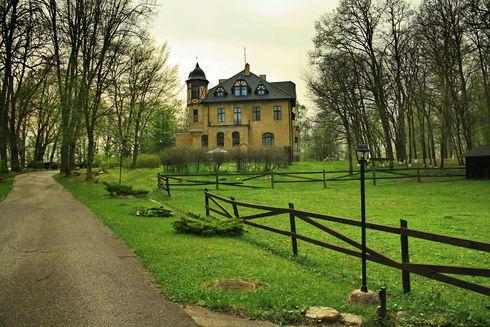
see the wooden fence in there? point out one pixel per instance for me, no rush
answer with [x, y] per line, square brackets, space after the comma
[166, 181]
[217, 204]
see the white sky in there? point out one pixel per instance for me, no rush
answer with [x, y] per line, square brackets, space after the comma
[277, 34]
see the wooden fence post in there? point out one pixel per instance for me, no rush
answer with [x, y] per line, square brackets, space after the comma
[167, 185]
[206, 201]
[418, 175]
[272, 180]
[217, 180]
[292, 222]
[374, 176]
[324, 179]
[235, 208]
[405, 255]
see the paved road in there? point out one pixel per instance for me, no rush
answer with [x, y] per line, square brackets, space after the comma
[60, 266]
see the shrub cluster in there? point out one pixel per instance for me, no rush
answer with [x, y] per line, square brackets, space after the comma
[144, 161]
[252, 160]
[198, 225]
[116, 189]
[153, 212]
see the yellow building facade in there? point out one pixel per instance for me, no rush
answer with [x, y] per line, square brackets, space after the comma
[245, 111]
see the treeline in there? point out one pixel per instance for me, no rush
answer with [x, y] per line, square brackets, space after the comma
[411, 82]
[80, 77]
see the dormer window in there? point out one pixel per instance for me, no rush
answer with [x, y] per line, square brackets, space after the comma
[220, 92]
[240, 88]
[261, 89]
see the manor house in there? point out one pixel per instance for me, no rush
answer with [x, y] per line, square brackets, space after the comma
[244, 111]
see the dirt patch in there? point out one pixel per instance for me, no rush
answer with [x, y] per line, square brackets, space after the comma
[235, 285]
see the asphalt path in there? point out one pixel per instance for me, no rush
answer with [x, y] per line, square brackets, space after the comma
[60, 266]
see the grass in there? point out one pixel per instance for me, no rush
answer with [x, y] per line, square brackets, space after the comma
[185, 265]
[5, 186]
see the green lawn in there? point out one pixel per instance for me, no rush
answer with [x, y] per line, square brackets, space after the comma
[5, 186]
[185, 266]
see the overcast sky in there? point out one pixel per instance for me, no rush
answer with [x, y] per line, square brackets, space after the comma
[277, 35]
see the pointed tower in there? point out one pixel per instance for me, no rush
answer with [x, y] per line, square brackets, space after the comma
[197, 86]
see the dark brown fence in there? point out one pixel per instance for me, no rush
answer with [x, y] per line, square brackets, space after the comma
[166, 181]
[217, 204]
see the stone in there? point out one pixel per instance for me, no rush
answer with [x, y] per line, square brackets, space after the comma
[402, 314]
[325, 314]
[235, 285]
[350, 319]
[364, 298]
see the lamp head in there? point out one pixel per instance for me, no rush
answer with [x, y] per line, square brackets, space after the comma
[362, 152]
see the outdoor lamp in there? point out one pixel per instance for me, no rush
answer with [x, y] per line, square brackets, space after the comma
[362, 152]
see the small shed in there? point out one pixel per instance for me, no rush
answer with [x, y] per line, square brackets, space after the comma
[478, 163]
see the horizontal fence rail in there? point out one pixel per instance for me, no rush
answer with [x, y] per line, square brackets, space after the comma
[166, 181]
[216, 204]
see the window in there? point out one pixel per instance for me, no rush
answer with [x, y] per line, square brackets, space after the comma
[255, 113]
[235, 138]
[240, 88]
[221, 115]
[277, 113]
[204, 141]
[268, 139]
[237, 115]
[261, 90]
[220, 139]
[195, 115]
[195, 91]
[220, 92]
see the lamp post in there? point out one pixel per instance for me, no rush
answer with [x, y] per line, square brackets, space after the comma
[362, 154]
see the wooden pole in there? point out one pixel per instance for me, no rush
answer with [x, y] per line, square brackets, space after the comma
[292, 222]
[324, 179]
[217, 180]
[167, 185]
[206, 201]
[235, 208]
[405, 255]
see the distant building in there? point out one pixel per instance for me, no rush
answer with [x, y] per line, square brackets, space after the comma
[478, 163]
[244, 111]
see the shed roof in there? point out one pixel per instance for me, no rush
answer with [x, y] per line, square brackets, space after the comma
[479, 151]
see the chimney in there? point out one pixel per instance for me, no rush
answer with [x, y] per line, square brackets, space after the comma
[221, 80]
[263, 76]
[247, 69]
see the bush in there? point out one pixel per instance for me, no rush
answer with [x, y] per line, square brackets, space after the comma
[144, 161]
[256, 160]
[36, 165]
[116, 189]
[153, 212]
[198, 225]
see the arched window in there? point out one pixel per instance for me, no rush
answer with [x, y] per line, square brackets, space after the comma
[204, 141]
[261, 89]
[235, 138]
[240, 88]
[268, 139]
[220, 92]
[220, 139]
